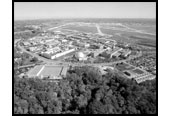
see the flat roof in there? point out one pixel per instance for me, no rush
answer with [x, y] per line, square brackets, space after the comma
[138, 71]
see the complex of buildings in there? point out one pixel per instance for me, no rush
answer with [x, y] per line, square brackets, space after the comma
[80, 46]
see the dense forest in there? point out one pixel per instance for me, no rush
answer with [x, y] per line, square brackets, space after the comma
[84, 91]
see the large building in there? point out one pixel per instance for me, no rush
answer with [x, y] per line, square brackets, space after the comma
[139, 75]
[115, 52]
[56, 55]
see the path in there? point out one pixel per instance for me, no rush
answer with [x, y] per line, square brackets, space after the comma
[98, 29]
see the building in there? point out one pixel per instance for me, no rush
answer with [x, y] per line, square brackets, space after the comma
[115, 51]
[32, 49]
[52, 50]
[144, 78]
[87, 45]
[97, 52]
[116, 55]
[104, 69]
[139, 76]
[26, 43]
[56, 55]
[126, 53]
[80, 56]
[49, 40]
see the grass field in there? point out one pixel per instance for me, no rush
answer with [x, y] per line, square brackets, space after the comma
[132, 37]
[144, 41]
[149, 29]
[126, 33]
[112, 26]
[137, 71]
[81, 28]
[110, 31]
[124, 66]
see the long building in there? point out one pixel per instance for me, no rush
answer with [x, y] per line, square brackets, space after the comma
[143, 76]
[56, 55]
[115, 51]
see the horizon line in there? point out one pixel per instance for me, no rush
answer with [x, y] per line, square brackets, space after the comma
[79, 18]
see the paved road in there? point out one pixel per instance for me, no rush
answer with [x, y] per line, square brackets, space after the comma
[24, 66]
[59, 26]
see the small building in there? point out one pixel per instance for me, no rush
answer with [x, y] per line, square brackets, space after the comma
[32, 49]
[26, 43]
[126, 53]
[80, 56]
[116, 55]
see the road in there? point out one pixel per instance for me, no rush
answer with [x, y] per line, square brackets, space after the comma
[59, 26]
[24, 66]
[98, 29]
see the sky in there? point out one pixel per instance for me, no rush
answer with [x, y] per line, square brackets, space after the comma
[43, 10]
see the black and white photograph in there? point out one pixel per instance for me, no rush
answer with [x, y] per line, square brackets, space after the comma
[85, 58]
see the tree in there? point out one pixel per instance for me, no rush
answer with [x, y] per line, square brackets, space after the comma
[84, 91]
[34, 59]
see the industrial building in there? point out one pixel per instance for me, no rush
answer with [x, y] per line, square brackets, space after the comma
[139, 76]
[56, 55]
[115, 51]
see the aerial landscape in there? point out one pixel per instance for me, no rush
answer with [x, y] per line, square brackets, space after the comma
[84, 65]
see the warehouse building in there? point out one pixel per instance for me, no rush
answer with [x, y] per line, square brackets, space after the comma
[56, 55]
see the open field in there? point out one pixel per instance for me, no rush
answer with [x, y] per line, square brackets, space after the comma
[144, 41]
[124, 66]
[115, 31]
[137, 71]
[113, 26]
[149, 29]
[126, 32]
[86, 29]
[132, 37]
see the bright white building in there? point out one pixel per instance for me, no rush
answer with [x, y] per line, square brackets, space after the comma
[80, 56]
